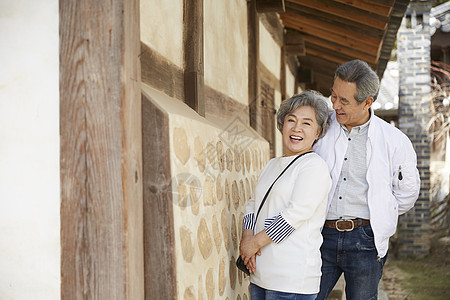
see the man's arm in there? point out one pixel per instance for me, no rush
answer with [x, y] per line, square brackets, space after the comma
[406, 178]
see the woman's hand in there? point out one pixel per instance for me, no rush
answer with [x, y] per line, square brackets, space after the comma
[248, 247]
[251, 246]
[251, 264]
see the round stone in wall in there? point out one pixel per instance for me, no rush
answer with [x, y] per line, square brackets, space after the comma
[210, 291]
[204, 239]
[229, 159]
[235, 194]
[180, 144]
[234, 236]
[225, 231]
[219, 188]
[242, 162]
[181, 195]
[189, 293]
[233, 269]
[227, 194]
[211, 153]
[200, 288]
[220, 156]
[237, 159]
[242, 198]
[216, 234]
[208, 192]
[256, 161]
[247, 189]
[200, 157]
[247, 159]
[187, 246]
[239, 226]
[222, 279]
[195, 204]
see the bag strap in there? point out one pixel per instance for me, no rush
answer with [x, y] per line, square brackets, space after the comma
[268, 191]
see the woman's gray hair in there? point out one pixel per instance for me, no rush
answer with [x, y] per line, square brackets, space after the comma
[308, 98]
[359, 72]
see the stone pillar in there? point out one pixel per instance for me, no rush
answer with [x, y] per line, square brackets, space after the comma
[414, 114]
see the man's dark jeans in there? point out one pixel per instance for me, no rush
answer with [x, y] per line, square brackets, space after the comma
[352, 252]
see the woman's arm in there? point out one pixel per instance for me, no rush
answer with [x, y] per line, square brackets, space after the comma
[251, 245]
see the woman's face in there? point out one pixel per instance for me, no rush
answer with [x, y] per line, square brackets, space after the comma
[300, 130]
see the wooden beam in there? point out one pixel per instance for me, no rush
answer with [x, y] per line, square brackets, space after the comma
[294, 43]
[263, 6]
[325, 56]
[159, 236]
[101, 150]
[161, 74]
[331, 29]
[329, 19]
[337, 57]
[254, 85]
[343, 12]
[331, 33]
[381, 10]
[382, 2]
[283, 73]
[221, 106]
[319, 65]
[193, 56]
[339, 49]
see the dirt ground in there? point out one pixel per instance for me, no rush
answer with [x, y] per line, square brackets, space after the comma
[427, 278]
[391, 277]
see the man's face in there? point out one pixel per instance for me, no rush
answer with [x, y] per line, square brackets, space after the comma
[349, 112]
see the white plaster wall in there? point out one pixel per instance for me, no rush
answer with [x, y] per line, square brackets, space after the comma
[269, 51]
[29, 150]
[290, 83]
[278, 136]
[162, 28]
[226, 47]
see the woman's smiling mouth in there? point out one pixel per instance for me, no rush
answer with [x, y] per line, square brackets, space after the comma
[296, 138]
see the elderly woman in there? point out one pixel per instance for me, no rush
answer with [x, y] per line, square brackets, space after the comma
[280, 244]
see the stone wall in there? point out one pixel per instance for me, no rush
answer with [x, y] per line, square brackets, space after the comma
[213, 170]
[414, 113]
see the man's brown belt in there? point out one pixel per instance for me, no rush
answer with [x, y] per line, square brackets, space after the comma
[346, 225]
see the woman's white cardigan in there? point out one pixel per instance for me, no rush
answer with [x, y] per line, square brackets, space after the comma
[299, 196]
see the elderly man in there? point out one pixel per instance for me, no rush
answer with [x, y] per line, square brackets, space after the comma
[374, 179]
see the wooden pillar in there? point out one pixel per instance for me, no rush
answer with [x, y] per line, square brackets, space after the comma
[101, 150]
[254, 85]
[193, 56]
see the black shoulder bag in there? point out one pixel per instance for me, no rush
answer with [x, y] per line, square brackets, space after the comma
[239, 262]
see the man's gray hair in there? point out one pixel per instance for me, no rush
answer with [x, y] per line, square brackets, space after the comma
[359, 72]
[308, 98]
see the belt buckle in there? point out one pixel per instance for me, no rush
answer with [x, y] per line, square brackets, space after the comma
[344, 220]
